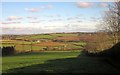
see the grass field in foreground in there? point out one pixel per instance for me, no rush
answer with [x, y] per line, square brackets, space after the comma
[55, 62]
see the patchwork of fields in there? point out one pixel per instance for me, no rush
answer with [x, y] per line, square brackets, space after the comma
[42, 42]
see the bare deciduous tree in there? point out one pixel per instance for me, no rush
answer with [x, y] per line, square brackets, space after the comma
[111, 21]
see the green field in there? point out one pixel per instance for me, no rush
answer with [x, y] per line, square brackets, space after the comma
[45, 36]
[63, 34]
[55, 62]
[38, 36]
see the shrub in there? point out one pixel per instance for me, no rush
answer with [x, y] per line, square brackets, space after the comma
[7, 51]
[98, 43]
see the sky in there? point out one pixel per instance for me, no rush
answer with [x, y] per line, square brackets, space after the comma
[51, 17]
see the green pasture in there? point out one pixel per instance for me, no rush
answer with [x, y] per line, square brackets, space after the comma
[22, 60]
[17, 42]
[79, 43]
[28, 48]
[55, 62]
[63, 34]
[38, 36]
[44, 36]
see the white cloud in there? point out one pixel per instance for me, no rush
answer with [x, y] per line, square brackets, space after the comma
[34, 22]
[40, 8]
[95, 19]
[84, 4]
[14, 18]
[32, 9]
[32, 17]
[103, 5]
[53, 16]
[14, 22]
[5, 22]
[48, 27]
[49, 6]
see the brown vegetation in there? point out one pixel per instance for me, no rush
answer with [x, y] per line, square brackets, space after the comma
[98, 43]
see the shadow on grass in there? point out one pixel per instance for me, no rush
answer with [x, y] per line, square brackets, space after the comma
[112, 55]
[82, 64]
